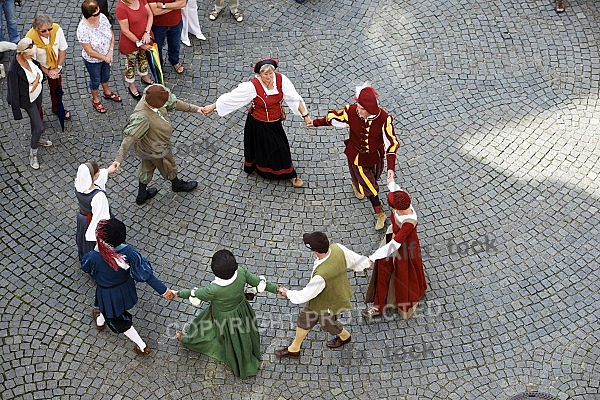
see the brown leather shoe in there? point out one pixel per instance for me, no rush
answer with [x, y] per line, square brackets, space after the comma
[337, 342]
[286, 353]
[179, 335]
[146, 351]
[95, 313]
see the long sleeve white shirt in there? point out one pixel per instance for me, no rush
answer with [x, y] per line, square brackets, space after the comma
[245, 92]
[100, 207]
[316, 285]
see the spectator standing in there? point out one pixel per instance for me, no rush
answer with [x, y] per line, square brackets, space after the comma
[135, 19]
[97, 40]
[103, 4]
[168, 24]
[24, 78]
[233, 8]
[191, 23]
[51, 45]
[7, 7]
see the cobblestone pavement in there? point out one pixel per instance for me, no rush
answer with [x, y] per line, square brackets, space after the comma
[497, 108]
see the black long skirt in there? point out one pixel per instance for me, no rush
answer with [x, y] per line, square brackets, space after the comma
[267, 150]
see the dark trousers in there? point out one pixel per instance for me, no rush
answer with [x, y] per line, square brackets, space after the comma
[35, 119]
[173, 36]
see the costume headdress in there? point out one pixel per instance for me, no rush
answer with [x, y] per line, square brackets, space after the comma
[265, 61]
[399, 200]
[316, 241]
[156, 95]
[111, 233]
[366, 96]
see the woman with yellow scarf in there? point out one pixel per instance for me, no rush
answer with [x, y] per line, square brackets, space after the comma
[51, 44]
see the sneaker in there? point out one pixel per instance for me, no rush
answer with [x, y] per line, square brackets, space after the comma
[44, 143]
[200, 36]
[213, 15]
[238, 16]
[33, 162]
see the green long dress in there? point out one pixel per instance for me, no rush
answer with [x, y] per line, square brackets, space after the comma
[227, 328]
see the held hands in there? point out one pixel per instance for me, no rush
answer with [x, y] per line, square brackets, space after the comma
[390, 176]
[53, 73]
[208, 109]
[170, 294]
[282, 292]
[114, 167]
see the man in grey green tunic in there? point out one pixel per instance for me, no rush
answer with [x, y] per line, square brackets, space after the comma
[326, 295]
[149, 130]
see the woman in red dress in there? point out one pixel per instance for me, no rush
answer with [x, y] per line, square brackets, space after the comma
[400, 259]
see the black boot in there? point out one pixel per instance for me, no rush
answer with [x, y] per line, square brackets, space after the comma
[179, 185]
[145, 194]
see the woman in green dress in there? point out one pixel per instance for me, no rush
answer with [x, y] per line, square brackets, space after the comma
[227, 328]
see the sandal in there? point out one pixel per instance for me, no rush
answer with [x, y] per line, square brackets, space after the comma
[179, 68]
[214, 15]
[146, 82]
[560, 6]
[98, 106]
[67, 115]
[112, 96]
[136, 95]
[238, 16]
[297, 182]
[372, 312]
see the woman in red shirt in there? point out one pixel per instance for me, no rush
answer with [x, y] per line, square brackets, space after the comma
[135, 19]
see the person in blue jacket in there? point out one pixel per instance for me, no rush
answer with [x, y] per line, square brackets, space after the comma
[116, 266]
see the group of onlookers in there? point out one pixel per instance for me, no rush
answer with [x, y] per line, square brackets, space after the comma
[41, 53]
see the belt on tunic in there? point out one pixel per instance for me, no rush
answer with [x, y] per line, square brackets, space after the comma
[113, 286]
[262, 120]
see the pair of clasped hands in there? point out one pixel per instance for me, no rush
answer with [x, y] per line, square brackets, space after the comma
[172, 294]
[206, 110]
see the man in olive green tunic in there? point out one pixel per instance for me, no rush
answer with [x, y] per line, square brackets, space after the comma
[327, 294]
[149, 129]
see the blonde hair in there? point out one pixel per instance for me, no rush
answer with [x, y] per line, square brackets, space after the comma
[266, 67]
